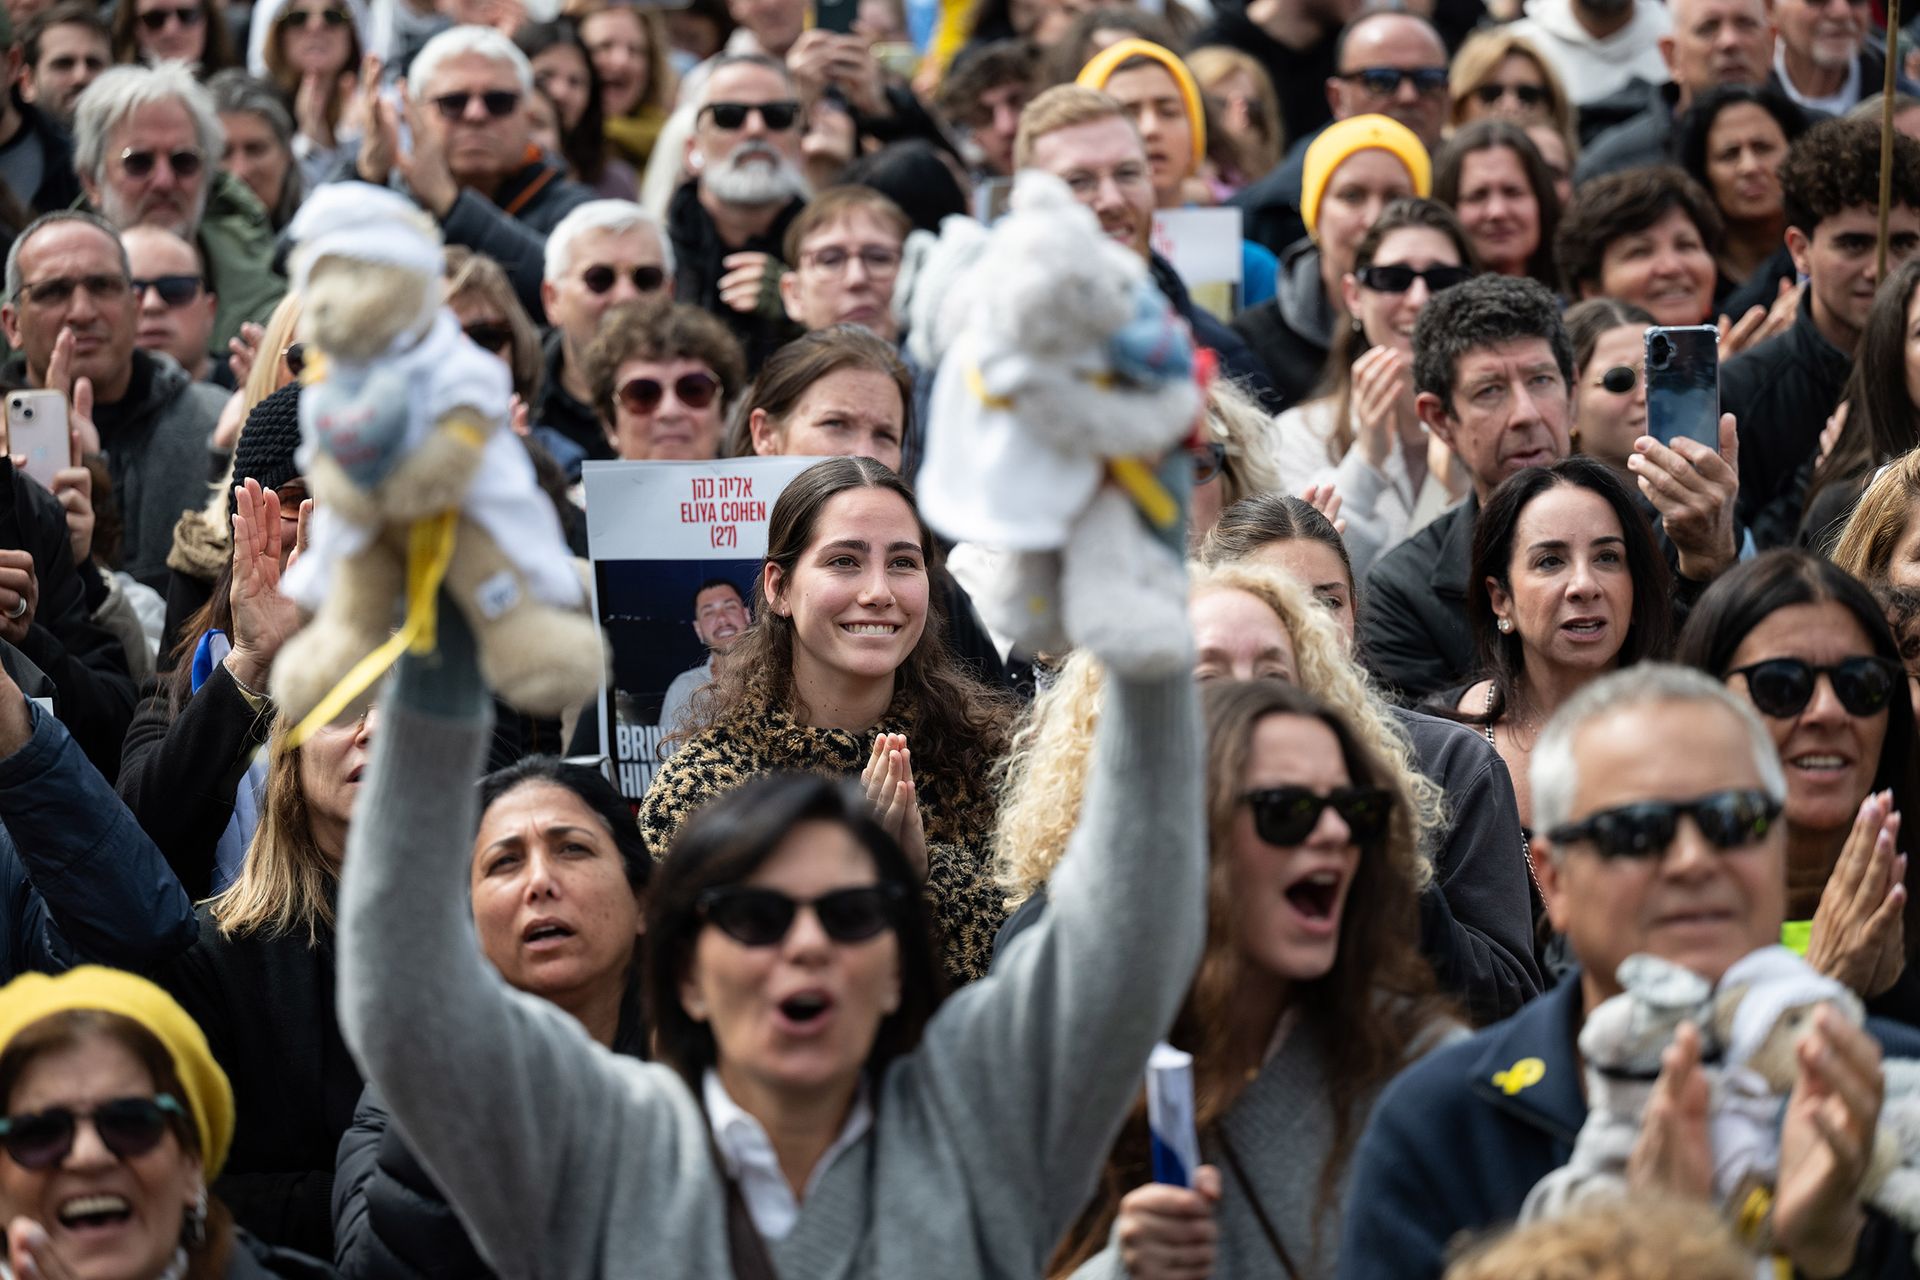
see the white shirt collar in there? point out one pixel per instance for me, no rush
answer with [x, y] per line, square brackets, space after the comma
[1837, 105]
[750, 1161]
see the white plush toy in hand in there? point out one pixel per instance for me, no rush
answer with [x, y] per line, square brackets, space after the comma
[1064, 376]
[418, 485]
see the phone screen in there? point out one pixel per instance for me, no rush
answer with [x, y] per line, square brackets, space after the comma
[1683, 383]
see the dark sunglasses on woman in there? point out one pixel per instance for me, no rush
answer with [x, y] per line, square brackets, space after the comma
[694, 390]
[600, 278]
[1782, 687]
[128, 1127]
[155, 20]
[1209, 460]
[1620, 379]
[1527, 95]
[1728, 819]
[140, 163]
[1286, 816]
[1400, 278]
[490, 337]
[757, 917]
[499, 103]
[296, 358]
[303, 18]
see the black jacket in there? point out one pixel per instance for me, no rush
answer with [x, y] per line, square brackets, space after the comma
[697, 254]
[1270, 208]
[1292, 332]
[512, 227]
[1762, 287]
[267, 1007]
[59, 185]
[1457, 1141]
[1237, 360]
[94, 690]
[1643, 138]
[556, 409]
[1781, 393]
[1413, 617]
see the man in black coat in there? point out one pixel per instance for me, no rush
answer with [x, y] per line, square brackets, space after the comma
[1783, 390]
[1493, 369]
[472, 162]
[728, 224]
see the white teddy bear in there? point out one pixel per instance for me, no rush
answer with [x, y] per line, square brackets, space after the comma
[1064, 376]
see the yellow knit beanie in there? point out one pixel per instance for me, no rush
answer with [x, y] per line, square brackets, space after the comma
[1342, 139]
[34, 996]
[1100, 68]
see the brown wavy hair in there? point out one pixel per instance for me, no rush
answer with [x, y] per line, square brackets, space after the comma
[960, 724]
[1373, 1008]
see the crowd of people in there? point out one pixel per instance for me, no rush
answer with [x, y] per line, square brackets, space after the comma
[1490, 688]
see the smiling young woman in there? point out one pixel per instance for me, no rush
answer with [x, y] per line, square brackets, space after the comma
[846, 670]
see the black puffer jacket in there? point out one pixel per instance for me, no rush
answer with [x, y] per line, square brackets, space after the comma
[1781, 393]
[698, 253]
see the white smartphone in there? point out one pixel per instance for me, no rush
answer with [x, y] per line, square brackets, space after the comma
[37, 433]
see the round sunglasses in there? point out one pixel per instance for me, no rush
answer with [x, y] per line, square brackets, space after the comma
[1286, 816]
[1782, 687]
[128, 1127]
[1621, 379]
[643, 395]
[155, 20]
[296, 357]
[303, 18]
[757, 917]
[489, 335]
[1730, 819]
[600, 278]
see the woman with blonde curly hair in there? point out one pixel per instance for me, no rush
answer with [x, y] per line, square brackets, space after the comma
[1881, 541]
[1310, 995]
[1236, 460]
[1634, 1238]
[1257, 620]
[1500, 75]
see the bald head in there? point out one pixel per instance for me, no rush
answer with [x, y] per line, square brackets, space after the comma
[1374, 47]
[1716, 42]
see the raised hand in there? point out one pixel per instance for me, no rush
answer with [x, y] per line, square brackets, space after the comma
[1672, 1156]
[888, 782]
[19, 595]
[1859, 933]
[1693, 488]
[1826, 1145]
[262, 617]
[73, 483]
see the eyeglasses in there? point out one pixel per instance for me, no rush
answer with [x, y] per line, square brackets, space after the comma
[1620, 379]
[1386, 80]
[155, 20]
[1209, 460]
[1782, 687]
[296, 358]
[495, 336]
[1527, 95]
[499, 103]
[1728, 819]
[757, 917]
[600, 278]
[184, 163]
[1398, 278]
[174, 291]
[51, 293]
[777, 116]
[694, 390]
[879, 260]
[1285, 816]
[333, 18]
[127, 1127]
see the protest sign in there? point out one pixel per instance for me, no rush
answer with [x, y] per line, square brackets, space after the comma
[667, 539]
[1204, 246]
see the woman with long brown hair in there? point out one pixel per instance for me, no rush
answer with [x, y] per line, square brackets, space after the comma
[1310, 995]
[846, 670]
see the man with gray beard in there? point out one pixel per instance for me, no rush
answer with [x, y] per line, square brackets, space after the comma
[146, 148]
[728, 222]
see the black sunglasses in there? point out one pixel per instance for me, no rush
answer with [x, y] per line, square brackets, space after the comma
[600, 278]
[1620, 379]
[1385, 80]
[156, 19]
[175, 291]
[185, 162]
[128, 1127]
[490, 337]
[1728, 819]
[304, 17]
[51, 293]
[694, 390]
[1285, 816]
[1782, 687]
[757, 917]
[1209, 460]
[1528, 95]
[1398, 278]
[296, 358]
[498, 102]
[779, 116]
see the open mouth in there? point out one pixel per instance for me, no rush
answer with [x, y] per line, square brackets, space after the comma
[1584, 628]
[1820, 762]
[869, 628]
[805, 1007]
[1316, 896]
[93, 1213]
[545, 931]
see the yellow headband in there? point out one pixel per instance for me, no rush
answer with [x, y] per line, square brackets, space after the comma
[1344, 138]
[1100, 68]
[32, 997]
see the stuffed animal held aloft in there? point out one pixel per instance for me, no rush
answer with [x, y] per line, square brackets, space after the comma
[419, 487]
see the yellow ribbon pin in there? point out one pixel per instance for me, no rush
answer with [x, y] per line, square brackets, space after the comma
[1523, 1074]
